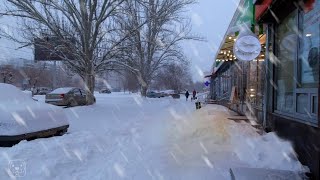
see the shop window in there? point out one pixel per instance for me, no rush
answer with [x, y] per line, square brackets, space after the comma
[309, 47]
[261, 80]
[253, 82]
[287, 45]
[314, 105]
[302, 103]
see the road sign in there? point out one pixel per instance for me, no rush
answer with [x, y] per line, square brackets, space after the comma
[207, 83]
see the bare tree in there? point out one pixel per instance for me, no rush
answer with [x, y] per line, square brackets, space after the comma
[156, 43]
[7, 73]
[36, 73]
[85, 31]
[129, 81]
[175, 76]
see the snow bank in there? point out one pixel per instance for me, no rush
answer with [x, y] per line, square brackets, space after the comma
[10, 93]
[20, 114]
[268, 151]
[29, 93]
[125, 136]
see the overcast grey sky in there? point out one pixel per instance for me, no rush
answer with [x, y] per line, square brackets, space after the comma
[210, 19]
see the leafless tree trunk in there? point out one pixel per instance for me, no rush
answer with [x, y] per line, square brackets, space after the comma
[156, 43]
[130, 81]
[7, 74]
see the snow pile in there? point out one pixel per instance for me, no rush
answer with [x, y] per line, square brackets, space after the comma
[20, 114]
[124, 136]
[268, 151]
[29, 93]
[9, 93]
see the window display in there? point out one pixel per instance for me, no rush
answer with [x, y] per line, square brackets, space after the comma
[309, 59]
[287, 39]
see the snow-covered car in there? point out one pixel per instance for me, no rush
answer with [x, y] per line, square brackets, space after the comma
[153, 94]
[103, 91]
[162, 94]
[67, 96]
[175, 96]
[169, 92]
[22, 118]
[42, 91]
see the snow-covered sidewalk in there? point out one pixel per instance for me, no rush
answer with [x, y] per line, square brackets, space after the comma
[128, 137]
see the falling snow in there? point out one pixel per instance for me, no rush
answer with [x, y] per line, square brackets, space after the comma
[125, 136]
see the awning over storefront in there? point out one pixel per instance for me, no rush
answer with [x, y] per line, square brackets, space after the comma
[261, 6]
[243, 17]
[269, 11]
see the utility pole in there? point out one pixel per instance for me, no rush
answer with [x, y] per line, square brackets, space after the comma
[54, 72]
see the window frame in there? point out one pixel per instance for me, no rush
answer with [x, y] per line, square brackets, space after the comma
[276, 53]
[308, 118]
[75, 91]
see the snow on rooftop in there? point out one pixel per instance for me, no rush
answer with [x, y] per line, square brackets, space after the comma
[61, 90]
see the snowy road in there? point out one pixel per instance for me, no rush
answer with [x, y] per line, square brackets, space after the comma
[127, 137]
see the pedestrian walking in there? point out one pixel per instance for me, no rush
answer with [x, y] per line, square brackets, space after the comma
[194, 94]
[187, 95]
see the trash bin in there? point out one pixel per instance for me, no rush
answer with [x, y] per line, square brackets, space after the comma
[198, 105]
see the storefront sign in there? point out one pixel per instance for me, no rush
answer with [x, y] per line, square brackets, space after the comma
[247, 48]
[262, 7]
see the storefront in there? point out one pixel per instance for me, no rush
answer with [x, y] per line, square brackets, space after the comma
[237, 84]
[292, 76]
[280, 88]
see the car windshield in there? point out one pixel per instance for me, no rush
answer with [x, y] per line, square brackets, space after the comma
[61, 90]
[160, 89]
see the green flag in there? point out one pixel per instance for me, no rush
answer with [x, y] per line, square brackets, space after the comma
[246, 11]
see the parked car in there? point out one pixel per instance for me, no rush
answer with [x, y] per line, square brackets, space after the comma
[116, 89]
[163, 94]
[153, 94]
[105, 91]
[22, 118]
[68, 96]
[42, 91]
[175, 96]
[169, 92]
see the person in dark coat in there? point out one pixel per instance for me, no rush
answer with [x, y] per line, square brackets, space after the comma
[194, 93]
[187, 95]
